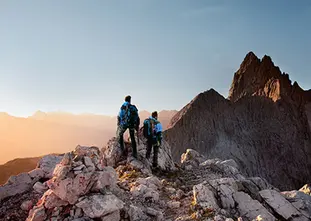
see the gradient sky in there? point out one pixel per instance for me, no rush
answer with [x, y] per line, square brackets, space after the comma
[85, 56]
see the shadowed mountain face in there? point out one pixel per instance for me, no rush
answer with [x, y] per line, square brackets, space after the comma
[57, 132]
[263, 125]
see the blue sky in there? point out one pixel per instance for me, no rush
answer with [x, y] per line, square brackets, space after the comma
[85, 56]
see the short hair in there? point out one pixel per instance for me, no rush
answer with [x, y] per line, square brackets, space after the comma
[154, 114]
[128, 98]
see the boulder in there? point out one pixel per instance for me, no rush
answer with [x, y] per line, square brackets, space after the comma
[47, 164]
[27, 205]
[250, 209]
[16, 185]
[300, 200]
[37, 214]
[87, 151]
[105, 179]
[50, 200]
[225, 188]
[136, 214]
[36, 174]
[40, 187]
[70, 189]
[20, 178]
[61, 171]
[191, 158]
[279, 204]
[96, 206]
[204, 197]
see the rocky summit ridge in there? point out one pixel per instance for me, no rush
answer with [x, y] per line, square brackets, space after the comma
[89, 184]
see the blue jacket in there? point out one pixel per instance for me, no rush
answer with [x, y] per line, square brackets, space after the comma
[157, 133]
[158, 126]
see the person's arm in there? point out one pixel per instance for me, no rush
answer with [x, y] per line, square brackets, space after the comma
[121, 114]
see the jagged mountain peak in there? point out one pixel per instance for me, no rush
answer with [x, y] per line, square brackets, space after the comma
[201, 101]
[261, 77]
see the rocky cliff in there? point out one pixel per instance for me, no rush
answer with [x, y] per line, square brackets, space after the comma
[263, 125]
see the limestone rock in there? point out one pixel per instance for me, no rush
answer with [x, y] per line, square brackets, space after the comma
[300, 200]
[191, 158]
[112, 216]
[96, 206]
[204, 197]
[70, 189]
[226, 188]
[249, 208]
[36, 173]
[61, 171]
[87, 151]
[21, 178]
[27, 205]
[47, 164]
[40, 187]
[136, 214]
[16, 185]
[105, 179]
[50, 200]
[279, 204]
[37, 214]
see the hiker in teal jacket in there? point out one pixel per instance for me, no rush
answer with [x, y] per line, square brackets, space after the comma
[128, 119]
[154, 137]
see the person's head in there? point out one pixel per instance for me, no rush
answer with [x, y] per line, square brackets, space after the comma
[128, 98]
[154, 114]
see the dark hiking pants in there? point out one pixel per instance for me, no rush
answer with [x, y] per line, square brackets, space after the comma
[120, 133]
[150, 144]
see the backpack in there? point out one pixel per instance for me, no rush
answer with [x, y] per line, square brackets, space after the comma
[148, 127]
[131, 117]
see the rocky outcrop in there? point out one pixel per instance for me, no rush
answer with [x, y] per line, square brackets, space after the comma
[265, 131]
[84, 187]
[25, 181]
[229, 195]
[78, 188]
[112, 154]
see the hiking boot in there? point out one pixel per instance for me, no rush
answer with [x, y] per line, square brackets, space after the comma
[134, 155]
[155, 169]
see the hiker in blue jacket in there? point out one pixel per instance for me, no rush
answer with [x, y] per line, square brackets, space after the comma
[128, 119]
[153, 133]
